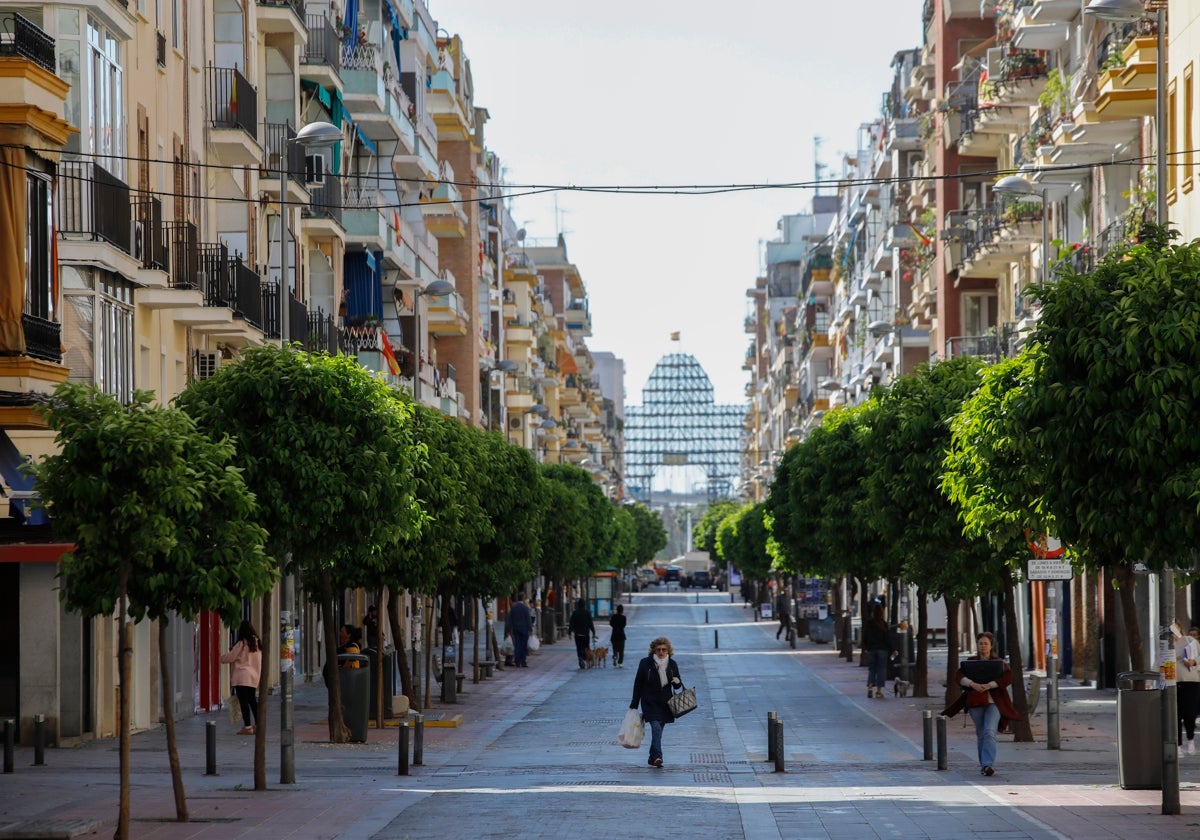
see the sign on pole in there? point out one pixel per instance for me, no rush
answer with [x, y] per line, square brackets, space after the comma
[1044, 568]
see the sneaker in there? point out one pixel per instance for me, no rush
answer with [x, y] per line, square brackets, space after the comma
[988, 771]
[870, 692]
[658, 762]
[1191, 747]
[650, 761]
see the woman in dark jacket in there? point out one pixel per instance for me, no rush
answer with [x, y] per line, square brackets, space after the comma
[875, 640]
[987, 703]
[617, 622]
[656, 675]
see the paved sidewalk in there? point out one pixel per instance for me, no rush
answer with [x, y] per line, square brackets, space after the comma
[535, 756]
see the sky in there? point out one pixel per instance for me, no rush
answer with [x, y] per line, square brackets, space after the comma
[668, 92]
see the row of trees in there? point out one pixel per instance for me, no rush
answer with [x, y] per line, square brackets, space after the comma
[1089, 433]
[287, 462]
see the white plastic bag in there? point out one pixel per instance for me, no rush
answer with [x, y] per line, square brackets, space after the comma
[507, 649]
[633, 730]
[534, 643]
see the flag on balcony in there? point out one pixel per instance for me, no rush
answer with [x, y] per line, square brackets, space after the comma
[385, 345]
[925, 240]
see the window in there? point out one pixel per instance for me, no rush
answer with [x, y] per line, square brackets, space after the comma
[1172, 141]
[98, 329]
[980, 313]
[1189, 115]
[39, 286]
[91, 64]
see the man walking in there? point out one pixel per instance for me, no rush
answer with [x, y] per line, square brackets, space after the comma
[583, 630]
[519, 625]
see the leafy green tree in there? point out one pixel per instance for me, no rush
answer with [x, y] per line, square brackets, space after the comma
[742, 539]
[327, 448]
[651, 536]
[625, 538]
[704, 532]
[162, 523]
[1113, 410]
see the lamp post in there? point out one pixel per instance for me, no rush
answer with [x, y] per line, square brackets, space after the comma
[1016, 185]
[505, 367]
[1120, 11]
[315, 135]
[435, 289]
[881, 328]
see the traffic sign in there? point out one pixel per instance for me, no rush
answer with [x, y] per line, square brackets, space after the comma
[1040, 568]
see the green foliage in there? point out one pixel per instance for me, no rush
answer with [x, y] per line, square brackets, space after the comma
[742, 542]
[704, 533]
[155, 508]
[624, 551]
[584, 525]
[514, 499]
[327, 448]
[650, 535]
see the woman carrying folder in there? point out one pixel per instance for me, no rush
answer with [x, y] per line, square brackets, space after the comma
[985, 679]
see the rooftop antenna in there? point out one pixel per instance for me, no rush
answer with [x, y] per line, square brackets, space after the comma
[818, 167]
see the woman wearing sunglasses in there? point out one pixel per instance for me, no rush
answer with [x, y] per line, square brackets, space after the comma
[656, 675]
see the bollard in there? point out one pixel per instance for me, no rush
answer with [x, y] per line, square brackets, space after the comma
[449, 685]
[39, 740]
[731, 597]
[210, 748]
[941, 742]
[706, 616]
[403, 771]
[716, 639]
[8, 745]
[418, 739]
[771, 736]
[778, 739]
[697, 596]
[927, 726]
[792, 634]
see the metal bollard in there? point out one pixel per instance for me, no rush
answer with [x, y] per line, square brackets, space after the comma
[706, 616]
[771, 736]
[403, 749]
[927, 726]
[941, 742]
[210, 748]
[716, 639]
[449, 685]
[39, 740]
[9, 726]
[779, 753]
[697, 596]
[418, 739]
[731, 597]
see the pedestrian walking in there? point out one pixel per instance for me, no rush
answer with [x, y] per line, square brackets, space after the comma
[1187, 687]
[985, 679]
[583, 629]
[657, 674]
[246, 658]
[617, 638]
[878, 647]
[518, 626]
[784, 608]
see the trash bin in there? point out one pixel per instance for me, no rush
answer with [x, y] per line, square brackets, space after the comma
[356, 685]
[821, 630]
[389, 680]
[1139, 730]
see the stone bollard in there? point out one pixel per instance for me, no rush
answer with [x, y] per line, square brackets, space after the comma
[941, 742]
[403, 749]
[210, 748]
[927, 726]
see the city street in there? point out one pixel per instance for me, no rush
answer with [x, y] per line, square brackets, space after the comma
[535, 755]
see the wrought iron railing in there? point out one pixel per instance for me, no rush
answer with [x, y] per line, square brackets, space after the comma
[183, 242]
[22, 37]
[296, 6]
[93, 203]
[278, 140]
[43, 338]
[323, 46]
[232, 100]
[326, 199]
[149, 233]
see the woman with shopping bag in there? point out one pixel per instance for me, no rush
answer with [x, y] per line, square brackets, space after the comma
[657, 674]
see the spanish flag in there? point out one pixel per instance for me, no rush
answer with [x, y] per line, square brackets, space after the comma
[925, 240]
[389, 354]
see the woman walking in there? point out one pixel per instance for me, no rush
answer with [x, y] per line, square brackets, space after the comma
[985, 697]
[246, 657]
[617, 638]
[656, 675]
[1187, 685]
[875, 640]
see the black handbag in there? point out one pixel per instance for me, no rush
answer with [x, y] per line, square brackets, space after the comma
[683, 702]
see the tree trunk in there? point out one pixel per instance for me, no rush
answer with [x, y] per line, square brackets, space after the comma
[123, 657]
[1133, 631]
[920, 685]
[952, 689]
[402, 663]
[338, 733]
[865, 616]
[168, 712]
[475, 639]
[379, 687]
[264, 688]
[428, 647]
[1021, 729]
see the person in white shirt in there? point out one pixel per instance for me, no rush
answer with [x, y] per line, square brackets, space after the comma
[1187, 687]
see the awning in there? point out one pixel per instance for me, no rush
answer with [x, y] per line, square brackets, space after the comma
[366, 141]
[322, 94]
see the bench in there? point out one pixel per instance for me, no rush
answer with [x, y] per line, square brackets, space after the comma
[485, 667]
[936, 635]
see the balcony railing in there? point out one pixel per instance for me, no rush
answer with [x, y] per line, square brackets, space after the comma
[320, 332]
[149, 234]
[323, 46]
[990, 348]
[296, 6]
[92, 203]
[43, 338]
[20, 36]
[278, 140]
[160, 44]
[326, 201]
[232, 100]
[183, 239]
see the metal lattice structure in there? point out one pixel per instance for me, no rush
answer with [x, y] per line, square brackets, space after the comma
[678, 424]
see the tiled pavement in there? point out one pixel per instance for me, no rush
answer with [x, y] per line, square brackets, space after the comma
[535, 756]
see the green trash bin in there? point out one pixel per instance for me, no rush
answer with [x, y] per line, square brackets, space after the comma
[389, 680]
[1139, 730]
[356, 694]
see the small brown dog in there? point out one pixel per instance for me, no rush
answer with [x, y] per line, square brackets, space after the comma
[597, 657]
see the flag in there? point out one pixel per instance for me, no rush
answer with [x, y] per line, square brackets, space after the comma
[925, 240]
[389, 354]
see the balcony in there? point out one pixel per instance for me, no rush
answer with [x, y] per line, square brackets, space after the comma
[518, 333]
[447, 315]
[321, 58]
[444, 217]
[990, 348]
[94, 208]
[363, 78]
[322, 217]
[23, 38]
[282, 17]
[579, 320]
[903, 134]
[278, 140]
[443, 102]
[233, 117]
[364, 223]
[149, 240]
[1130, 91]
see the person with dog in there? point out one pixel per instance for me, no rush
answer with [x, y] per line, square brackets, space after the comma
[657, 674]
[519, 626]
[583, 629]
[986, 702]
[878, 647]
[246, 658]
[617, 639]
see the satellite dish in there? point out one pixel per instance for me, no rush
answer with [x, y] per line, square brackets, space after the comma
[521, 235]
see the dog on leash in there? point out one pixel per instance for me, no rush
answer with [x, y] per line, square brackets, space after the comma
[900, 688]
[597, 657]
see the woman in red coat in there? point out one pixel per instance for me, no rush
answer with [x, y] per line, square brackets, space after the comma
[987, 703]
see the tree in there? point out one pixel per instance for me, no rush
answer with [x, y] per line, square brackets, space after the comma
[327, 448]
[651, 536]
[162, 524]
[704, 532]
[1116, 372]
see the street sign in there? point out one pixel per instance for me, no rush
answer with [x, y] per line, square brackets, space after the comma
[1040, 568]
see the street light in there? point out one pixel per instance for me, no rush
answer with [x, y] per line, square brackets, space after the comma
[1015, 185]
[1121, 11]
[435, 289]
[315, 135]
[505, 366]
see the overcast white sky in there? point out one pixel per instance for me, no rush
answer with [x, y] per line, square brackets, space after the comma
[674, 92]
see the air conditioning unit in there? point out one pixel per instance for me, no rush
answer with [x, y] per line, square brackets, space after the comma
[514, 423]
[314, 169]
[206, 364]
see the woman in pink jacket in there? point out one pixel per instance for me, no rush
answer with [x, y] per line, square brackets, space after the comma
[246, 656]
